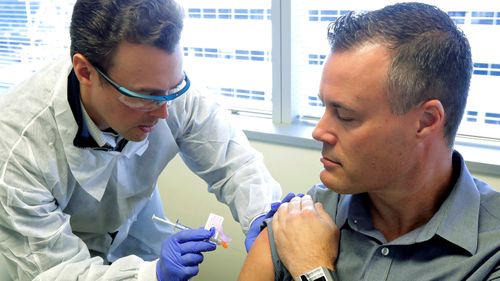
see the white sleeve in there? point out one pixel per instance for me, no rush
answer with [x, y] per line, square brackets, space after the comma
[36, 238]
[147, 271]
[218, 151]
[126, 269]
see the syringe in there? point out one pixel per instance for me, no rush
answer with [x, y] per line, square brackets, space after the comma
[178, 227]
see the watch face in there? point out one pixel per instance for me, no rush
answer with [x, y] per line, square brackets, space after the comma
[317, 274]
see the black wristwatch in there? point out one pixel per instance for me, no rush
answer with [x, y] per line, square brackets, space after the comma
[317, 274]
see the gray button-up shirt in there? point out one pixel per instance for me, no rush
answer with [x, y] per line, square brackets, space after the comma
[460, 242]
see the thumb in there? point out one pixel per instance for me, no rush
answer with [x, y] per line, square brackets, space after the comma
[322, 213]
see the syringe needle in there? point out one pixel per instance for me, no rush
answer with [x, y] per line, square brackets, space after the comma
[172, 224]
[179, 226]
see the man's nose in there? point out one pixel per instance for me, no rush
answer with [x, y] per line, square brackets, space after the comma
[324, 131]
[319, 129]
[161, 112]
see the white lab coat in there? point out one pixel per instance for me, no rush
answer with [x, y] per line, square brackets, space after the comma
[58, 202]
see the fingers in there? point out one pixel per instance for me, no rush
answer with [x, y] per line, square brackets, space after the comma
[274, 208]
[298, 204]
[324, 215]
[194, 240]
[196, 234]
[294, 205]
[196, 247]
[288, 197]
[308, 204]
[191, 259]
[321, 211]
[189, 272]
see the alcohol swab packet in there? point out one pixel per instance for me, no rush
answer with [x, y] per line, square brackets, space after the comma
[216, 222]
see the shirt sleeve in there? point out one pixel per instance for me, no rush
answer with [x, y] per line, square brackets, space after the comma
[280, 271]
[495, 274]
[214, 148]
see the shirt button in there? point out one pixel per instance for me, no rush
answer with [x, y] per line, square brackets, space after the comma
[385, 251]
[355, 221]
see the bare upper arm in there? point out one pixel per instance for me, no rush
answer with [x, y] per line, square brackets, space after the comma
[258, 264]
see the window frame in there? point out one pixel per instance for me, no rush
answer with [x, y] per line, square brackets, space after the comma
[285, 128]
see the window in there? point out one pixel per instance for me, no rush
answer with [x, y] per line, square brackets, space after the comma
[31, 34]
[264, 57]
[227, 48]
[480, 21]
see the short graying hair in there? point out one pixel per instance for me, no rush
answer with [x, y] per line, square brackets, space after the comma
[431, 57]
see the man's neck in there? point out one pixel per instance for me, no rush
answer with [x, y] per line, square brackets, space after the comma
[413, 205]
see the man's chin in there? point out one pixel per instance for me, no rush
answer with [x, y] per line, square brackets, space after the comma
[333, 183]
[136, 137]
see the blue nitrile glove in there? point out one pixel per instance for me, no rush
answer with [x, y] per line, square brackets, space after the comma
[181, 254]
[255, 229]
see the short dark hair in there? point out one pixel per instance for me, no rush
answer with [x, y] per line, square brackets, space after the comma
[99, 26]
[431, 57]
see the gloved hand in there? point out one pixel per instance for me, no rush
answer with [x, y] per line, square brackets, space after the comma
[181, 254]
[254, 229]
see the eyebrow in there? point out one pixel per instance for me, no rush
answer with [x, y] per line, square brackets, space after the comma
[154, 91]
[336, 104]
[168, 90]
[149, 90]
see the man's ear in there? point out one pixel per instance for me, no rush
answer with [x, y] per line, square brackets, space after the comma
[431, 118]
[83, 69]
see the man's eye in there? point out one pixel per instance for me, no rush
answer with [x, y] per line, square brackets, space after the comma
[345, 119]
[156, 93]
[342, 117]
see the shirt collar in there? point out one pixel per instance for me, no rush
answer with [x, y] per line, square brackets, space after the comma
[456, 221]
[459, 213]
[107, 139]
[88, 134]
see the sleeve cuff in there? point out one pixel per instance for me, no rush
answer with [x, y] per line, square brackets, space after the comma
[254, 219]
[147, 271]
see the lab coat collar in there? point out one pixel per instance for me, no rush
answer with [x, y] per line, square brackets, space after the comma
[91, 168]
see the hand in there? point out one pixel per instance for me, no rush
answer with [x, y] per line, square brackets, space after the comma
[181, 254]
[255, 229]
[305, 235]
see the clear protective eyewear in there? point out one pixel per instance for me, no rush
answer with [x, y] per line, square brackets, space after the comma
[147, 102]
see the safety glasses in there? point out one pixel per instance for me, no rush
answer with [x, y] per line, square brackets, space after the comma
[147, 102]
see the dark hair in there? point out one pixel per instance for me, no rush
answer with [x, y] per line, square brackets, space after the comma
[431, 57]
[99, 26]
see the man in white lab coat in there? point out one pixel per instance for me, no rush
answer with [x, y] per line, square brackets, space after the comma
[84, 141]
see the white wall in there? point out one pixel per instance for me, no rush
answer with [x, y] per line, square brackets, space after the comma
[186, 198]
